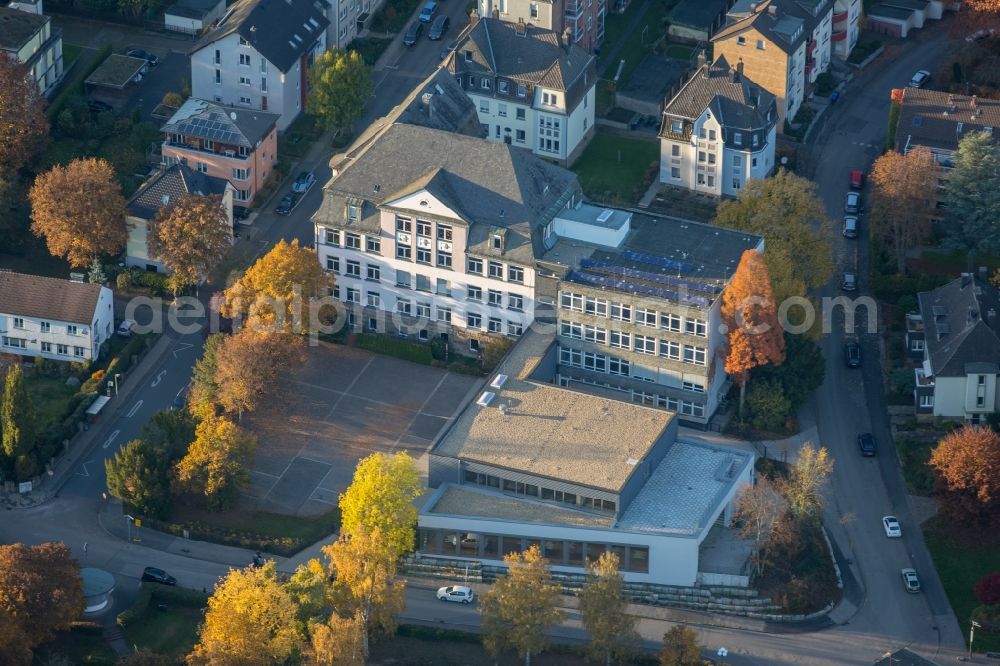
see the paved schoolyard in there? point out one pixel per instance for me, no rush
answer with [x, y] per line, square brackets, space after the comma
[342, 405]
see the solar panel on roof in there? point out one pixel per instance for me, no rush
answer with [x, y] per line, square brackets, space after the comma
[632, 287]
[645, 275]
[658, 261]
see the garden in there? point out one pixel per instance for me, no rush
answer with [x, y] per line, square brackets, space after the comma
[617, 170]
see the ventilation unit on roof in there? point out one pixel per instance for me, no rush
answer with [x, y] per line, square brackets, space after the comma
[499, 381]
[632, 462]
[486, 398]
[605, 215]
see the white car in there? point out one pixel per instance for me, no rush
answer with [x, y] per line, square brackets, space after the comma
[891, 527]
[125, 328]
[458, 593]
[920, 79]
[910, 580]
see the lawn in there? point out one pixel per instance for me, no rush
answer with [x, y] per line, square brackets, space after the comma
[612, 167]
[951, 264]
[678, 51]
[70, 54]
[408, 351]
[961, 560]
[172, 632]
[640, 43]
[80, 645]
[299, 137]
[913, 457]
[50, 398]
[614, 24]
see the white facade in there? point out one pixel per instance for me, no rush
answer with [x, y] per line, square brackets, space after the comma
[846, 26]
[55, 339]
[820, 46]
[417, 267]
[230, 71]
[972, 397]
[344, 16]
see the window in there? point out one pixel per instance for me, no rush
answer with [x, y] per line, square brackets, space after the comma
[502, 87]
[621, 312]
[711, 158]
[760, 44]
[484, 106]
[245, 81]
[443, 287]
[241, 174]
[917, 345]
[423, 283]
[473, 265]
[496, 270]
[423, 228]
[468, 56]
[738, 138]
[621, 340]
[403, 306]
[515, 302]
[332, 237]
[47, 347]
[741, 40]
[373, 244]
[473, 320]
[45, 326]
[424, 310]
[60, 349]
[423, 255]
[617, 366]
[595, 334]
[218, 57]
[373, 272]
[352, 241]
[927, 400]
[695, 355]
[444, 232]
[353, 295]
[485, 83]
[675, 150]
[202, 167]
[515, 274]
[495, 325]
[671, 322]
[645, 317]
[676, 126]
[353, 213]
[402, 251]
[71, 329]
[333, 264]
[18, 322]
[533, 9]
[701, 156]
[502, 110]
[755, 139]
[670, 349]
[404, 224]
[354, 269]
[696, 327]
[519, 136]
[570, 301]
[21, 343]
[372, 324]
[514, 329]
[675, 173]
[494, 297]
[645, 344]
[444, 314]
[474, 293]
[571, 329]
[694, 386]
[373, 299]
[245, 59]
[218, 76]
[402, 279]
[692, 408]
[711, 135]
[522, 91]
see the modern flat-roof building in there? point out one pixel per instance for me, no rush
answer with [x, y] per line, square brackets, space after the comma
[531, 462]
[27, 36]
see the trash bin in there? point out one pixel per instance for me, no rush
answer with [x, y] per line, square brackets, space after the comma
[834, 96]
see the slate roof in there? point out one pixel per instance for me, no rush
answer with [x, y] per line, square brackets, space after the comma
[192, 8]
[735, 100]
[931, 118]
[959, 330]
[17, 27]
[172, 182]
[535, 58]
[487, 184]
[48, 298]
[227, 125]
[280, 30]
[780, 25]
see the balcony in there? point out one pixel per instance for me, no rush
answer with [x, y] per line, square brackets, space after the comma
[574, 9]
[838, 36]
[228, 153]
[840, 18]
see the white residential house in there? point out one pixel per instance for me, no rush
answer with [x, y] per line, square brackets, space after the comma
[533, 87]
[55, 319]
[718, 131]
[348, 19]
[258, 56]
[846, 26]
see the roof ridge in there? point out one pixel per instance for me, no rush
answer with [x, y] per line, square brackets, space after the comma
[489, 44]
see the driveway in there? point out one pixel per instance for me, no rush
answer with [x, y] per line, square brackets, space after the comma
[168, 76]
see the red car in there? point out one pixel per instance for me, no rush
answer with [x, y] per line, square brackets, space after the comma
[857, 179]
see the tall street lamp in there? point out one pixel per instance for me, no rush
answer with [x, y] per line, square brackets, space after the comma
[972, 635]
[129, 520]
[723, 653]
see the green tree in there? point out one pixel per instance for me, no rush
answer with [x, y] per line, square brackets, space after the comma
[138, 475]
[218, 462]
[602, 603]
[171, 430]
[520, 606]
[204, 390]
[802, 372]
[680, 647]
[380, 497]
[17, 422]
[973, 196]
[340, 84]
[787, 211]
[769, 408]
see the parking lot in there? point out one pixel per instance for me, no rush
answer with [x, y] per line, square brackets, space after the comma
[343, 405]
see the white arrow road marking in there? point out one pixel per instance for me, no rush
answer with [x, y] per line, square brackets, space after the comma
[182, 346]
[134, 409]
[84, 466]
[159, 378]
[111, 439]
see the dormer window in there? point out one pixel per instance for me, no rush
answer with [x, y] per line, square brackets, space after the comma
[522, 91]
[502, 87]
[741, 40]
[468, 56]
[352, 213]
[496, 242]
[738, 138]
[760, 44]
[676, 126]
[756, 140]
[485, 83]
[244, 42]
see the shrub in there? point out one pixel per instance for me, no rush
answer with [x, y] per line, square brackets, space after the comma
[124, 280]
[987, 589]
[173, 100]
[907, 303]
[138, 610]
[769, 408]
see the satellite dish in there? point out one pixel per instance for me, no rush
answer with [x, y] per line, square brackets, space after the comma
[784, 160]
[232, 114]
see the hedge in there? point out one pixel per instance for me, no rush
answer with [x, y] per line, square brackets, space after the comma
[147, 593]
[75, 85]
[198, 531]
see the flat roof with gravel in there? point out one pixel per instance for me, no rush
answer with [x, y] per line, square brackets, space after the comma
[549, 431]
[686, 488]
[473, 502]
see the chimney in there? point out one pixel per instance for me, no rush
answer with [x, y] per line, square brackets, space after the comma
[520, 28]
[972, 101]
[739, 67]
[772, 9]
[474, 17]
[951, 100]
[567, 38]
[496, 13]
[701, 59]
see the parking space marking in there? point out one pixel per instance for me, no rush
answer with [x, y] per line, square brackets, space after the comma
[110, 439]
[134, 409]
[420, 411]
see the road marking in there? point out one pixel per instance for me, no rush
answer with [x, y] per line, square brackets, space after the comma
[85, 472]
[134, 409]
[182, 346]
[159, 378]
[111, 439]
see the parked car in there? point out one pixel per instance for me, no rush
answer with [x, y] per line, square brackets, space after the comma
[97, 106]
[853, 204]
[445, 50]
[427, 13]
[240, 213]
[866, 442]
[891, 527]
[857, 180]
[143, 54]
[180, 400]
[304, 181]
[154, 575]
[920, 79]
[438, 28]
[286, 204]
[458, 593]
[910, 580]
[852, 354]
[849, 282]
[125, 328]
[413, 33]
[850, 227]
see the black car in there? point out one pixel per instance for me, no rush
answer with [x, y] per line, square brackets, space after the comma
[97, 106]
[154, 575]
[143, 54]
[438, 28]
[852, 355]
[413, 33]
[240, 213]
[867, 444]
[286, 204]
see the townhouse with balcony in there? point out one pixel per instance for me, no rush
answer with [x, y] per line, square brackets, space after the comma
[28, 36]
[233, 144]
[846, 26]
[533, 88]
[159, 190]
[961, 350]
[583, 18]
[718, 131]
[348, 19]
[784, 46]
[60, 320]
[533, 462]
[258, 56]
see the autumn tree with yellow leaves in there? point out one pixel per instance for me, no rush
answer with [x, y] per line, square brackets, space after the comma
[340, 641]
[602, 604]
[750, 315]
[380, 498]
[248, 365]
[190, 235]
[80, 210]
[904, 190]
[24, 129]
[217, 463]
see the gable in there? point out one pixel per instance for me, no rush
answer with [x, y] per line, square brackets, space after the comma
[423, 202]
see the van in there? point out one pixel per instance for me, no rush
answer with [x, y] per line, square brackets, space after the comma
[438, 28]
[850, 227]
[413, 33]
[849, 282]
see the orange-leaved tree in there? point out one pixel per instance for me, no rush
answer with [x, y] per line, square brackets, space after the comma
[23, 125]
[80, 211]
[966, 465]
[905, 187]
[751, 318]
[189, 235]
